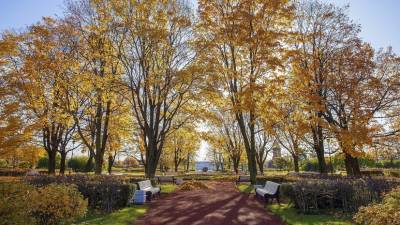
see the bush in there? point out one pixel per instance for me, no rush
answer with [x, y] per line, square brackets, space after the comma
[13, 172]
[54, 204]
[311, 165]
[385, 213]
[57, 204]
[312, 196]
[78, 164]
[43, 162]
[373, 172]
[14, 204]
[104, 193]
[393, 173]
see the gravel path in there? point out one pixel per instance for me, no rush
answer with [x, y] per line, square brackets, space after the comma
[208, 207]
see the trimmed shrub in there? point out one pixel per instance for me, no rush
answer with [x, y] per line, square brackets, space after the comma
[14, 204]
[393, 173]
[43, 162]
[51, 205]
[57, 204]
[311, 165]
[312, 196]
[78, 164]
[104, 193]
[13, 172]
[370, 173]
[385, 213]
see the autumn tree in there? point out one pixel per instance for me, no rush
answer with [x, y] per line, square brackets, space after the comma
[159, 72]
[290, 130]
[322, 30]
[241, 44]
[360, 92]
[96, 77]
[16, 132]
[39, 70]
[264, 144]
[181, 144]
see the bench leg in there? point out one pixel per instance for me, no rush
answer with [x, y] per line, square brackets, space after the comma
[277, 199]
[266, 200]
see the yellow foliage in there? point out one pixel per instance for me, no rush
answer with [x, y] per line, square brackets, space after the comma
[385, 213]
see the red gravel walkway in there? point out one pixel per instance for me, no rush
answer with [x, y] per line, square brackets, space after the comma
[221, 206]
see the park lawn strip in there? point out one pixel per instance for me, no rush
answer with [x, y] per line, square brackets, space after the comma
[290, 216]
[245, 188]
[168, 188]
[123, 216]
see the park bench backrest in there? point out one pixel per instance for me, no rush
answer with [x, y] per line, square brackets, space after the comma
[272, 187]
[244, 178]
[144, 184]
[166, 179]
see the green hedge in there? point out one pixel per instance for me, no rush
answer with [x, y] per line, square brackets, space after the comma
[104, 193]
[346, 194]
[78, 164]
[43, 162]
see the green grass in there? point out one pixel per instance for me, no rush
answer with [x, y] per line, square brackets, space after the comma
[167, 188]
[123, 216]
[245, 188]
[290, 216]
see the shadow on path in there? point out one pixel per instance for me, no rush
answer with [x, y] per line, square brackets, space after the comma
[223, 205]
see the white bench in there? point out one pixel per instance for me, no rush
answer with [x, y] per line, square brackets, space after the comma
[269, 191]
[149, 189]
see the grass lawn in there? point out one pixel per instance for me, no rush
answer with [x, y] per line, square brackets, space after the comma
[245, 188]
[167, 188]
[123, 216]
[290, 215]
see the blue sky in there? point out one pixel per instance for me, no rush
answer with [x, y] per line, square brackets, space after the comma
[380, 19]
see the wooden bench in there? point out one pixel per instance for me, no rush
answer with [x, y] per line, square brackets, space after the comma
[269, 191]
[165, 179]
[149, 189]
[243, 179]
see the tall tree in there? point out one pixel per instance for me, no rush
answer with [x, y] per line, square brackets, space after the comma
[241, 44]
[92, 99]
[157, 58]
[360, 92]
[322, 30]
[40, 71]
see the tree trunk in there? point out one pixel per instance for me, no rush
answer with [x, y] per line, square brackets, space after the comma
[89, 163]
[187, 162]
[98, 165]
[352, 165]
[151, 162]
[249, 144]
[52, 162]
[296, 163]
[110, 164]
[318, 139]
[260, 166]
[63, 162]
